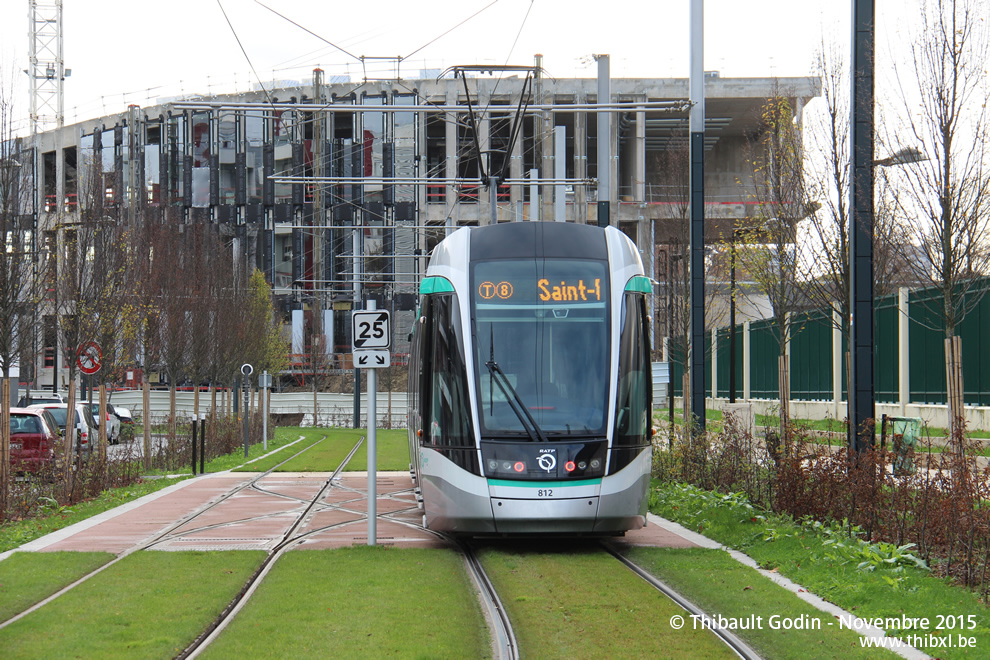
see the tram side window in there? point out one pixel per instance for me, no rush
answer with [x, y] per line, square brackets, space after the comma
[444, 387]
[414, 418]
[634, 395]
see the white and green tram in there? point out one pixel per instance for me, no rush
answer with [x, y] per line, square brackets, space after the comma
[529, 382]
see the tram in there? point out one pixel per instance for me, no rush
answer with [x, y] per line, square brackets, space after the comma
[530, 392]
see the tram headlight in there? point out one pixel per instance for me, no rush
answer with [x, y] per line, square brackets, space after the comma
[569, 466]
[596, 463]
[519, 466]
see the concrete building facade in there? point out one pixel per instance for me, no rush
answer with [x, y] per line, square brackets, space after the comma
[245, 163]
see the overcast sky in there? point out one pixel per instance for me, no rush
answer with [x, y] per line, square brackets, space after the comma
[123, 52]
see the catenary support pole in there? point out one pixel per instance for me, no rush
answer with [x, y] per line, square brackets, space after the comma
[861, 399]
[604, 142]
[696, 124]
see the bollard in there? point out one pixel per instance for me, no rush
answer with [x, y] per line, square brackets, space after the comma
[194, 446]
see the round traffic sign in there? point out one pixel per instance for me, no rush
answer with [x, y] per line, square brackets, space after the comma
[89, 358]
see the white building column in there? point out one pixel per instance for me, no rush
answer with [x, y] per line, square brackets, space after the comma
[714, 364]
[747, 389]
[838, 412]
[903, 349]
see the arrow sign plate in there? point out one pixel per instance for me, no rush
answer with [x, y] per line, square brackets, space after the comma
[372, 359]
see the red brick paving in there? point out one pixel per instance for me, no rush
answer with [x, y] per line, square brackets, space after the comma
[259, 517]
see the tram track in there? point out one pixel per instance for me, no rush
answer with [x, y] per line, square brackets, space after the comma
[288, 539]
[738, 646]
[504, 642]
[167, 533]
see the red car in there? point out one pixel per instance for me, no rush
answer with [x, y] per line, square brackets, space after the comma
[33, 436]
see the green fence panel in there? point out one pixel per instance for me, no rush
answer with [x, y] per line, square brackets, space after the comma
[976, 358]
[680, 357]
[811, 356]
[724, 362]
[764, 348]
[886, 353]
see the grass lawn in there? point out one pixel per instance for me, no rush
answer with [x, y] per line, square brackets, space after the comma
[326, 456]
[27, 578]
[883, 587]
[148, 605]
[569, 601]
[719, 584]
[360, 602]
[277, 453]
[393, 452]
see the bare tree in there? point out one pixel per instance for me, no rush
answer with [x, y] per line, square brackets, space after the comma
[823, 249]
[17, 292]
[769, 254]
[943, 97]
[671, 192]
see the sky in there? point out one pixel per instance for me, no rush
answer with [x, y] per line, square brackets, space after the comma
[123, 52]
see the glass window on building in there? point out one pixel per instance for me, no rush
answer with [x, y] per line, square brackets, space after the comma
[284, 134]
[228, 142]
[254, 134]
[202, 154]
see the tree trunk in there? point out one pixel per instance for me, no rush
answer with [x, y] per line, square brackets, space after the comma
[4, 447]
[171, 411]
[70, 435]
[104, 423]
[784, 391]
[146, 419]
[954, 387]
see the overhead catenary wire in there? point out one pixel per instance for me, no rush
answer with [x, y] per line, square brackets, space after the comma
[244, 51]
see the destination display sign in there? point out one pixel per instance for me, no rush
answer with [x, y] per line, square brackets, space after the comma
[556, 282]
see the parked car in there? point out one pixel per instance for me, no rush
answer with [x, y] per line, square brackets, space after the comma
[41, 396]
[33, 437]
[113, 421]
[124, 414]
[85, 424]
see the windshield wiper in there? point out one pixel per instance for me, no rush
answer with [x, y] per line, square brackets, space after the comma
[515, 402]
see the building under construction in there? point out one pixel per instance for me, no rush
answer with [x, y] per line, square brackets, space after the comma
[338, 191]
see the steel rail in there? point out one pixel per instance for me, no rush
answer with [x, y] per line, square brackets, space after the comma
[504, 642]
[220, 623]
[157, 539]
[738, 646]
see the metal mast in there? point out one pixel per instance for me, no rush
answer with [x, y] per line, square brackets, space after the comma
[46, 71]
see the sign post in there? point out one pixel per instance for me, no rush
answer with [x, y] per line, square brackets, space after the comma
[246, 371]
[264, 382]
[372, 339]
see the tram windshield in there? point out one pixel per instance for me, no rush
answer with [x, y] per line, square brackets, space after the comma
[541, 337]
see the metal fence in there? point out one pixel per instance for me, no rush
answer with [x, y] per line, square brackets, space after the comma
[333, 409]
[814, 368]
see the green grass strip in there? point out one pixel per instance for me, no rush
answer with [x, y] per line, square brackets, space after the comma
[27, 578]
[148, 605]
[881, 588]
[15, 533]
[309, 437]
[392, 455]
[582, 603]
[393, 452]
[360, 602]
[717, 583]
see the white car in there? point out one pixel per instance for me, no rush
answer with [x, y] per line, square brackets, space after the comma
[85, 423]
[113, 421]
